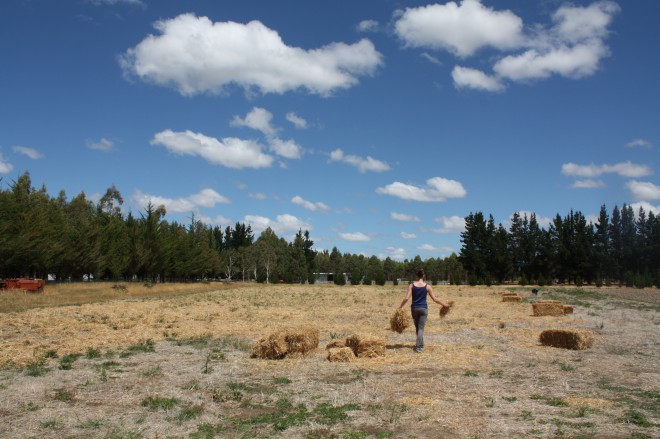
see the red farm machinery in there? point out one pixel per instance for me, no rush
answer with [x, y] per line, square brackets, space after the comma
[26, 284]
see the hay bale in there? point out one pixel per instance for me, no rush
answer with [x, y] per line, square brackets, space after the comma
[444, 310]
[548, 308]
[511, 298]
[272, 347]
[577, 339]
[366, 346]
[400, 320]
[301, 340]
[288, 341]
[341, 355]
[336, 344]
[568, 309]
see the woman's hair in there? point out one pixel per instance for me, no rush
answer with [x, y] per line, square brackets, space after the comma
[420, 273]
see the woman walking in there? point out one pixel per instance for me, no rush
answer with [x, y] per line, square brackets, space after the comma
[419, 308]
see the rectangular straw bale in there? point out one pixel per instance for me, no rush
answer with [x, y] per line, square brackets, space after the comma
[340, 355]
[511, 298]
[366, 346]
[568, 309]
[400, 320]
[548, 301]
[548, 309]
[577, 339]
[444, 310]
[301, 340]
[272, 347]
[337, 343]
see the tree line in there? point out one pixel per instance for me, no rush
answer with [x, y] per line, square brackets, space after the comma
[79, 239]
[620, 248]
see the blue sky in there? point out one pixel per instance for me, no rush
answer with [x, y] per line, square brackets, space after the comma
[375, 125]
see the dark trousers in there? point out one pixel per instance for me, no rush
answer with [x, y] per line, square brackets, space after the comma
[419, 316]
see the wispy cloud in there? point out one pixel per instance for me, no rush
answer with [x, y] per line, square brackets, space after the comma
[639, 143]
[260, 119]
[405, 235]
[588, 184]
[250, 55]
[104, 144]
[363, 165]
[309, 205]
[623, 169]
[431, 248]
[355, 237]
[438, 189]
[368, 26]
[450, 224]
[404, 217]
[644, 190]
[296, 120]
[29, 152]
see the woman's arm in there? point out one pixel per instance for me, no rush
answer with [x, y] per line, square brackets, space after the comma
[408, 296]
[435, 299]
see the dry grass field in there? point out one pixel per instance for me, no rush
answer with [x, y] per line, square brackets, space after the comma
[90, 361]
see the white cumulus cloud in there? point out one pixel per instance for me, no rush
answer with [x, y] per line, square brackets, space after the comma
[5, 166]
[313, 206]
[281, 225]
[644, 190]
[648, 207]
[230, 152]
[396, 253]
[438, 189]
[429, 247]
[572, 46]
[363, 165]
[250, 55]
[29, 152]
[258, 119]
[459, 28]
[205, 198]
[405, 235]
[465, 77]
[623, 169]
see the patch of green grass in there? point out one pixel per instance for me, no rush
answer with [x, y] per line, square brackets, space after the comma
[189, 413]
[496, 374]
[152, 372]
[30, 407]
[141, 347]
[155, 403]
[281, 380]
[471, 373]
[63, 394]
[36, 368]
[489, 401]
[92, 353]
[118, 433]
[93, 424]
[207, 431]
[199, 342]
[636, 417]
[66, 362]
[551, 401]
[527, 415]
[50, 423]
[510, 398]
[328, 414]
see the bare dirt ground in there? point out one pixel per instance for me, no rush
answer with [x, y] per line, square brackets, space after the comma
[179, 366]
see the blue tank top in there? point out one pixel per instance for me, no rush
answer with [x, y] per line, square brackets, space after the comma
[419, 297]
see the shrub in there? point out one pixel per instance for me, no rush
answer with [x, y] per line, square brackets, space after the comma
[380, 279]
[472, 280]
[367, 280]
[340, 279]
